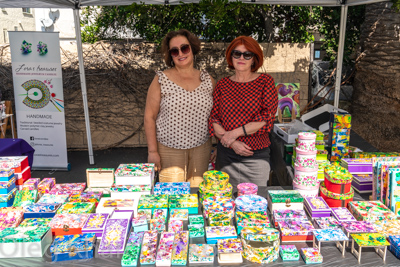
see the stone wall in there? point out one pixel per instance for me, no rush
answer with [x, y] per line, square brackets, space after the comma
[118, 76]
[376, 99]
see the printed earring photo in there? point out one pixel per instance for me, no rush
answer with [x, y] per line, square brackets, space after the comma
[42, 48]
[26, 47]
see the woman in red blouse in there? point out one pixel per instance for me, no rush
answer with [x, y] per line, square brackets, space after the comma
[243, 114]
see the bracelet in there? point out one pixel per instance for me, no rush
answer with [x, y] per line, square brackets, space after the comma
[244, 131]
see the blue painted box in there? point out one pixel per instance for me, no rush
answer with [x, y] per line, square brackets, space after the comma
[73, 247]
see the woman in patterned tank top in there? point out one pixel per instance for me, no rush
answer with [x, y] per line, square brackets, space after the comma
[178, 105]
[243, 114]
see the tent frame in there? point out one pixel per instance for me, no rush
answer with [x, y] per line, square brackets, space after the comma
[77, 4]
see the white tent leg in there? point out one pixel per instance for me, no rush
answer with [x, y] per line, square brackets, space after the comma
[83, 84]
[342, 34]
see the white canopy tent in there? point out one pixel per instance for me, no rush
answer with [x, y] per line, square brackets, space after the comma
[77, 4]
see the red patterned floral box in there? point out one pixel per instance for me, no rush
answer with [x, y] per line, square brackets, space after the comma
[296, 231]
[18, 163]
[68, 224]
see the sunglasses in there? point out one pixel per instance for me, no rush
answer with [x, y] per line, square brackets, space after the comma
[174, 52]
[246, 55]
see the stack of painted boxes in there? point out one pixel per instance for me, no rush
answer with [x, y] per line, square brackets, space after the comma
[339, 135]
[336, 189]
[216, 183]
[7, 187]
[305, 167]
[133, 181]
[20, 165]
[361, 169]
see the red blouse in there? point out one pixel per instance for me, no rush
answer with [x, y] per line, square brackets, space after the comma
[236, 104]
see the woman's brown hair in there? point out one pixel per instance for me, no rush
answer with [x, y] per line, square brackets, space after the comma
[193, 41]
[251, 45]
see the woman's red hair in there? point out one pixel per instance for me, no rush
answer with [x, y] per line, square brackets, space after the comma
[251, 45]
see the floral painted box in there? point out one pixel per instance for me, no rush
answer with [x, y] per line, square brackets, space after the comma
[327, 222]
[164, 251]
[229, 251]
[73, 247]
[77, 207]
[172, 188]
[41, 210]
[132, 249]
[17, 163]
[201, 253]
[311, 255]
[343, 214]
[317, 207]
[213, 233]
[30, 241]
[95, 224]
[187, 201]
[329, 235]
[135, 174]
[289, 253]
[6, 174]
[387, 227]
[68, 224]
[358, 227]
[59, 199]
[35, 222]
[7, 186]
[371, 211]
[149, 248]
[153, 202]
[180, 248]
[296, 231]
[284, 199]
[108, 205]
[282, 215]
[114, 236]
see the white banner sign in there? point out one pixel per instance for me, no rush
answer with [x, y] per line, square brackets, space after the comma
[39, 99]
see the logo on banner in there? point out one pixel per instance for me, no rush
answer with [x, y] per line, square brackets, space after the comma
[40, 94]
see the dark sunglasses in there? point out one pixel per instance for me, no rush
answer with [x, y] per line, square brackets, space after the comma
[174, 52]
[246, 55]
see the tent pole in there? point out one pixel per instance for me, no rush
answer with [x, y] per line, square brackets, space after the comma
[83, 84]
[342, 34]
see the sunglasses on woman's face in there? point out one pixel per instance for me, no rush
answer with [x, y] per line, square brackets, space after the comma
[246, 55]
[174, 52]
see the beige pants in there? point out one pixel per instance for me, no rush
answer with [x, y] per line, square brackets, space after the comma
[184, 165]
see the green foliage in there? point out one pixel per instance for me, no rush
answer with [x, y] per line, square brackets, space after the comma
[396, 5]
[222, 21]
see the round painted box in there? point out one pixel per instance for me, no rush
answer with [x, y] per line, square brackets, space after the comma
[336, 200]
[215, 180]
[308, 178]
[337, 179]
[306, 191]
[306, 141]
[306, 161]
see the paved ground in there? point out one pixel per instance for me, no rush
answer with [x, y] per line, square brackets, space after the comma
[79, 161]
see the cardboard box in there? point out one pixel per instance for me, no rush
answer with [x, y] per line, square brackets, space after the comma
[100, 177]
[319, 118]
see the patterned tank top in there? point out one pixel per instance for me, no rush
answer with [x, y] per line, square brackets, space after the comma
[182, 121]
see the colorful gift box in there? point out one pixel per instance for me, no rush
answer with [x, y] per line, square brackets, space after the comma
[229, 251]
[215, 180]
[108, 205]
[295, 230]
[359, 165]
[218, 204]
[11, 217]
[201, 253]
[105, 192]
[205, 193]
[246, 224]
[21, 177]
[333, 199]
[342, 214]
[188, 201]
[18, 163]
[317, 207]
[362, 183]
[289, 253]
[73, 247]
[25, 197]
[160, 214]
[220, 219]
[327, 222]
[196, 230]
[260, 245]
[95, 224]
[157, 225]
[31, 184]
[68, 224]
[213, 233]
[338, 179]
[139, 224]
[175, 226]
[114, 236]
[7, 200]
[282, 215]
[180, 248]
[149, 248]
[251, 203]
[164, 252]
[311, 255]
[144, 213]
[41, 210]
[370, 211]
[6, 174]
[100, 177]
[53, 199]
[387, 227]
[35, 222]
[86, 197]
[29, 241]
[172, 188]
[284, 200]
[339, 135]
[394, 241]
[67, 189]
[7, 186]
[132, 249]
[196, 219]
[153, 202]
[77, 207]
[135, 174]
[46, 185]
[179, 214]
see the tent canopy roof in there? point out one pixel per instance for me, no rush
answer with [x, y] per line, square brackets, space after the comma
[78, 3]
